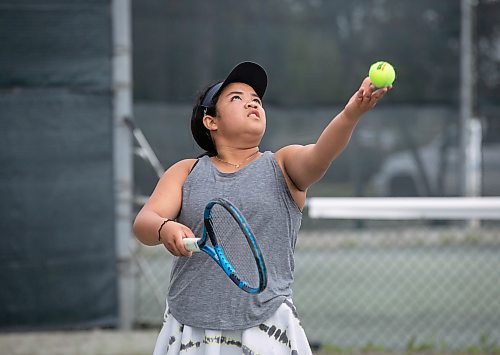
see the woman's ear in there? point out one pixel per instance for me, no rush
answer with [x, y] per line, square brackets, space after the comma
[209, 122]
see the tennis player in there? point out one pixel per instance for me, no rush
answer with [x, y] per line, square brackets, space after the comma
[206, 313]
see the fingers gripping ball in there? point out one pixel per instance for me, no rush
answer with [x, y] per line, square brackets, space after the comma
[382, 74]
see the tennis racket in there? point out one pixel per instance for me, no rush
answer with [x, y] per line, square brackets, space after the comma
[228, 240]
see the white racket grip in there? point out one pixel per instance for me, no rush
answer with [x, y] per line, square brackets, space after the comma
[191, 244]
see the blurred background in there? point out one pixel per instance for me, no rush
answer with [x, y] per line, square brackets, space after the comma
[72, 72]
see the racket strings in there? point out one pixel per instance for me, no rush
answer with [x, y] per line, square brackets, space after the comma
[235, 246]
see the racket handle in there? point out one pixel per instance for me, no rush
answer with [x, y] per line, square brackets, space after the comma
[191, 244]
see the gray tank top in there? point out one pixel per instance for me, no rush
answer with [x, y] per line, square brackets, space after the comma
[200, 294]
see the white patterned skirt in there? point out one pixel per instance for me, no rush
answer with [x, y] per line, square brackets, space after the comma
[279, 335]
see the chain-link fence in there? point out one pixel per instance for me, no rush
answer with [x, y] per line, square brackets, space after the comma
[389, 288]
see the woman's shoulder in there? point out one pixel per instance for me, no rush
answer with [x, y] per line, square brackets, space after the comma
[182, 167]
[287, 152]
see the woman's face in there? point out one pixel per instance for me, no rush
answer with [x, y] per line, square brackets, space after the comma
[240, 118]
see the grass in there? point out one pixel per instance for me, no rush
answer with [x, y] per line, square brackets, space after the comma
[485, 346]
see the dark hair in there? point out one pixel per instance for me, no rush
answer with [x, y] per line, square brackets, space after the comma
[200, 133]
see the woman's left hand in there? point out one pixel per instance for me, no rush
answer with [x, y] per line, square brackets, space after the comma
[365, 98]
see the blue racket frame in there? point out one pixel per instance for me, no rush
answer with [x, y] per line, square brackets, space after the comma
[217, 254]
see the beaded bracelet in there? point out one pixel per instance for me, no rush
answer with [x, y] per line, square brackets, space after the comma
[159, 230]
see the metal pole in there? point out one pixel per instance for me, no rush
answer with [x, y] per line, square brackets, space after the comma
[122, 160]
[467, 94]
[470, 133]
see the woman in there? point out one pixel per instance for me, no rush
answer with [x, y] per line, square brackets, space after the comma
[206, 313]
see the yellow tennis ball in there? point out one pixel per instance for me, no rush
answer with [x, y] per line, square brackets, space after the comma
[382, 74]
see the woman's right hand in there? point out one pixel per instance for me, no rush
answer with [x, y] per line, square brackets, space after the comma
[171, 236]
